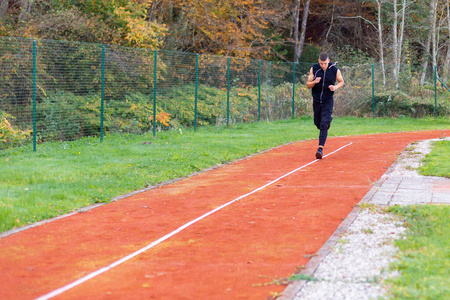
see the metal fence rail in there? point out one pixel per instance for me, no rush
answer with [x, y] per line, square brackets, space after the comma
[54, 90]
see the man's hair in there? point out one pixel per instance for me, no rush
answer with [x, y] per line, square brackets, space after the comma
[323, 56]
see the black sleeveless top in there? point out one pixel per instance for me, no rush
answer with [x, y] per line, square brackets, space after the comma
[320, 91]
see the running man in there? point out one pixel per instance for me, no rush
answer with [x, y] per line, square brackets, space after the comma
[321, 80]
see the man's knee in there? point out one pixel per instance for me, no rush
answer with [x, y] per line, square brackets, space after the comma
[324, 126]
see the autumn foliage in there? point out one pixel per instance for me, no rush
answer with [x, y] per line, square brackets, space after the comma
[262, 29]
[9, 136]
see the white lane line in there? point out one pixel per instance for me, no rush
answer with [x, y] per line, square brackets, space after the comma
[153, 244]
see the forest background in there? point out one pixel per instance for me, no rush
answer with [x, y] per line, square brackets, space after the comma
[393, 32]
[387, 51]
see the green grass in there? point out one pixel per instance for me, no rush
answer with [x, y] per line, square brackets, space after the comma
[437, 163]
[305, 277]
[63, 176]
[424, 259]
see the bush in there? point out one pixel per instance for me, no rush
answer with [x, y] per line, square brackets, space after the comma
[131, 115]
[350, 55]
[396, 103]
[65, 116]
[10, 137]
[179, 101]
[70, 25]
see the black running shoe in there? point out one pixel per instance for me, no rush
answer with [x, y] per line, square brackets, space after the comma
[319, 153]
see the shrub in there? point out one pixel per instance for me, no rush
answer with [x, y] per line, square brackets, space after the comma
[396, 103]
[131, 115]
[65, 116]
[10, 137]
[179, 101]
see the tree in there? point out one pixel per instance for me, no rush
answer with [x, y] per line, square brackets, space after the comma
[137, 31]
[299, 44]
[434, 35]
[379, 7]
[447, 59]
[3, 9]
[25, 6]
[398, 39]
[296, 25]
[230, 27]
[425, 60]
[245, 28]
[122, 22]
[349, 24]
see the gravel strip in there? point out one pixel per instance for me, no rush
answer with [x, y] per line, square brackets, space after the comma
[359, 260]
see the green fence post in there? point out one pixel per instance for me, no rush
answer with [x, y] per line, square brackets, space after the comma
[228, 92]
[293, 94]
[196, 92]
[34, 97]
[259, 90]
[373, 90]
[102, 107]
[154, 91]
[435, 92]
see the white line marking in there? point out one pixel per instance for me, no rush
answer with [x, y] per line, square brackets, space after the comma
[153, 244]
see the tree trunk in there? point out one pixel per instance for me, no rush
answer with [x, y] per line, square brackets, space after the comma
[400, 42]
[296, 19]
[332, 19]
[299, 43]
[434, 4]
[25, 9]
[447, 59]
[303, 33]
[3, 9]
[380, 41]
[395, 35]
[425, 61]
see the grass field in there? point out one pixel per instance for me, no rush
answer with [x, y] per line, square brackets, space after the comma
[437, 163]
[424, 258]
[63, 176]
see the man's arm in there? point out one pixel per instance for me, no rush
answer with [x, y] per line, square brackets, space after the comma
[340, 80]
[311, 81]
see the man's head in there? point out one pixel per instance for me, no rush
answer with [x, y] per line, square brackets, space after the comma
[323, 60]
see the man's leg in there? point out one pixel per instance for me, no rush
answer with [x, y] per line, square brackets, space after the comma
[317, 113]
[325, 121]
[317, 108]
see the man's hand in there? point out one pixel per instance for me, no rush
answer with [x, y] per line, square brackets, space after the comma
[340, 80]
[311, 80]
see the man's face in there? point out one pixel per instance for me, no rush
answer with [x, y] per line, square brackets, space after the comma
[324, 63]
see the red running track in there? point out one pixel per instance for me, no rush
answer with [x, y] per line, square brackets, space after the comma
[238, 252]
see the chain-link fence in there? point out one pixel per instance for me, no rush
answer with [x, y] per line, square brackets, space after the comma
[54, 90]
